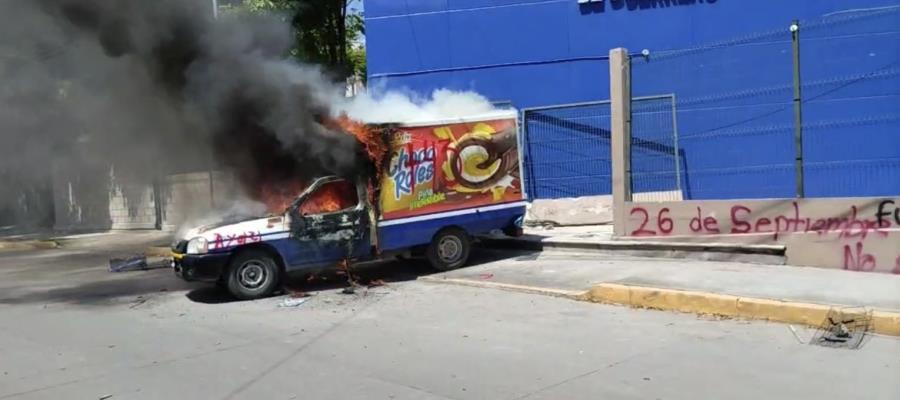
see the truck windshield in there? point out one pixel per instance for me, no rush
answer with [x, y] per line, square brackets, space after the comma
[330, 197]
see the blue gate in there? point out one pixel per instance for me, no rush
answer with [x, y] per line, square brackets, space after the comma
[567, 150]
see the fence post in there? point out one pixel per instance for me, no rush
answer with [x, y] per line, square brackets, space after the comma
[798, 109]
[620, 143]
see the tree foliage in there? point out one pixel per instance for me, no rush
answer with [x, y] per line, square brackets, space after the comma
[327, 32]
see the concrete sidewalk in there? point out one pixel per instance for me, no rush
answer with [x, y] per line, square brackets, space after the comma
[600, 238]
[48, 239]
[801, 295]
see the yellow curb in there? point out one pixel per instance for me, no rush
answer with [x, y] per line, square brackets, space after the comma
[28, 245]
[569, 294]
[883, 322]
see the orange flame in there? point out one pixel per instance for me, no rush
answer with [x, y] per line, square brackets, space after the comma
[331, 197]
[278, 195]
[376, 147]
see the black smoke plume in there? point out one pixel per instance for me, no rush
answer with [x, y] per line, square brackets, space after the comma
[158, 87]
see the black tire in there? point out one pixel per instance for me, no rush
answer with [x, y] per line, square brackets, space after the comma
[252, 274]
[449, 249]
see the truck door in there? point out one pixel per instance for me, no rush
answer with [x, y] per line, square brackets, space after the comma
[330, 224]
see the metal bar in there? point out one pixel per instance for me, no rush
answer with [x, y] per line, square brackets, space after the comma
[675, 144]
[798, 109]
[520, 141]
[593, 103]
[567, 105]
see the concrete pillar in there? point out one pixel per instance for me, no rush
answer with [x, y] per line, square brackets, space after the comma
[620, 97]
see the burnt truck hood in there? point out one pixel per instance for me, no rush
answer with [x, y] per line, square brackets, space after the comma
[227, 220]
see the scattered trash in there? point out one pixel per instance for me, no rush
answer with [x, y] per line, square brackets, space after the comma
[376, 283]
[486, 276]
[133, 263]
[104, 397]
[348, 290]
[293, 301]
[844, 328]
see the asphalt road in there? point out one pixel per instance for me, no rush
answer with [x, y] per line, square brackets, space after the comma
[71, 330]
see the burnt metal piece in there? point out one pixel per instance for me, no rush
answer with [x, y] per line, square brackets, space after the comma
[843, 328]
[133, 263]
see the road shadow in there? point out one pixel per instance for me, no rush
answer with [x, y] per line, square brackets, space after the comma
[119, 288]
[111, 289]
[363, 276]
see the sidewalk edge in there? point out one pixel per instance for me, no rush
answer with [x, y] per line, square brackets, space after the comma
[10, 245]
[569, 294]
[774, 250]
[883, 322]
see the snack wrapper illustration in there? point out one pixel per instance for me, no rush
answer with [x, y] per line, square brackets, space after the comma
[450, 167]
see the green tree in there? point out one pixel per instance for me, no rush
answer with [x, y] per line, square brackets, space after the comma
[328, 32]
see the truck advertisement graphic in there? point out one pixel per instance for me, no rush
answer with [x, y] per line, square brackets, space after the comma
[451, 166]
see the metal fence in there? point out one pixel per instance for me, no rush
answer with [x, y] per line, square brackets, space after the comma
[567, 151]
[655, 159]
[810, 109]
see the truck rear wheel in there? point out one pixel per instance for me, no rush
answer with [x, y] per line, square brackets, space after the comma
[252, 274]
[449, 249]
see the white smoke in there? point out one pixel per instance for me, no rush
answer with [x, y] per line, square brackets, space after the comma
[404, 107]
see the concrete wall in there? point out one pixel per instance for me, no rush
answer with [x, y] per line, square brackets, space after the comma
[192, 195]
[95, 199]
[859, 234]
[131, 205]
[587, 210]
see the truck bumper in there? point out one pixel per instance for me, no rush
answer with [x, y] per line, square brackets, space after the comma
[200, 267]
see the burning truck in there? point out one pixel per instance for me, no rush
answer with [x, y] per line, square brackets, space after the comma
[434, 186]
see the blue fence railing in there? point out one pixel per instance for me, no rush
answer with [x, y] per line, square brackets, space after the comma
[567, 150]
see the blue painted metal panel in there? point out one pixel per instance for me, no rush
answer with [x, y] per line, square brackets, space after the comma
[567, 151]
[406, 235]
[734, 103]
[393, 40]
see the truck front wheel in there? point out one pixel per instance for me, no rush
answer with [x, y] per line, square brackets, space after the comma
[449, 249]
[252, 274]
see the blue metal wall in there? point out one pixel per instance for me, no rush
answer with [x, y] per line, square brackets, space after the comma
[547, 52]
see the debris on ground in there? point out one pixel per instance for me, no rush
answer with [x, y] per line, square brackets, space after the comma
[348, 290]
[293, 301]
[376, 283]
[132, 263]
[137, 262]
[486, 276]
[844, 328]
